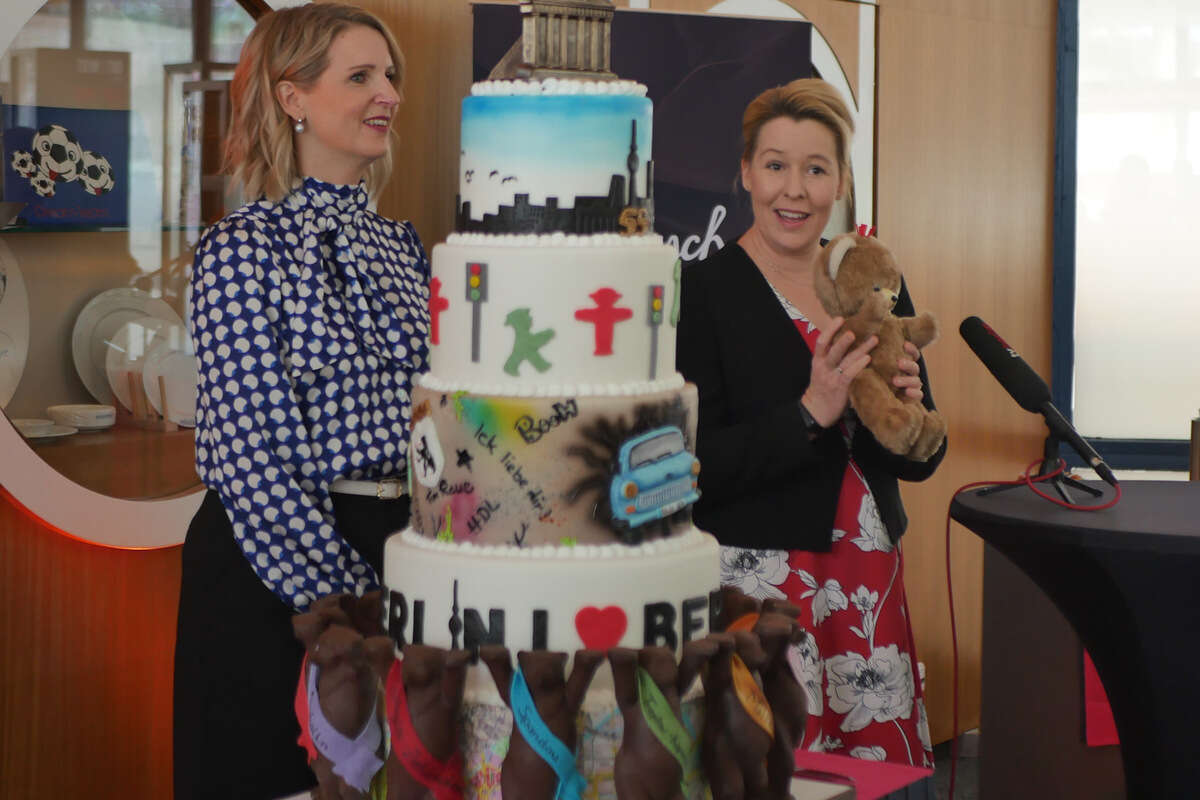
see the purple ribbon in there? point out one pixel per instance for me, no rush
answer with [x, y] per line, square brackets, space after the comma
[354, 760]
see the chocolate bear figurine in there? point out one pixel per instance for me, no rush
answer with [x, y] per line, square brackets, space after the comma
[789, 702]
[645, 768]
[735, 604]
[424, 693]
[775, 606]
[734, 745]
[525, 773]
[364, 614]
[347, 698]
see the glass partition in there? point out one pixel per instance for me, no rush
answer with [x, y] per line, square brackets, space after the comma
[111, 117]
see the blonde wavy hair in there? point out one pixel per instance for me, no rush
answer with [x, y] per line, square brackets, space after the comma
[291, 44]
[804, 98]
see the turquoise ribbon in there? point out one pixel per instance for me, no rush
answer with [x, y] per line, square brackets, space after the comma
[543, 741]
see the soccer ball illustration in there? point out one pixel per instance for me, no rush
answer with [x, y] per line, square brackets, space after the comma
[42, 185]
[57, 153]
[96, 173]
[22, 163]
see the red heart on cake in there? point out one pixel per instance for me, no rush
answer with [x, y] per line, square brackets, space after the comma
[600, 628]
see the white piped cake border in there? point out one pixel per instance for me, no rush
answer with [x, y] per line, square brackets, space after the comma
[587, 552]
[555, 239]
[626, 389]
[558, 86]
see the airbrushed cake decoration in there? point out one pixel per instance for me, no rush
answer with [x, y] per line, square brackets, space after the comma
[601, 628]
[426, 460]
[654, 305]
[604, 315]
[638, 473]
[526, 344]
[556, 155]
[437, 304]
[634, 221]
[676, 275]
[476, 287]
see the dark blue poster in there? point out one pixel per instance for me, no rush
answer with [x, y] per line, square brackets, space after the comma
[700, 72]
[69, 166]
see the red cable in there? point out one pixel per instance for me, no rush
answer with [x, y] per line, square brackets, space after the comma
[1029, 481]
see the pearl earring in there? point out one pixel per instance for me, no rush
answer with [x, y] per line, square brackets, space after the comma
[299, 126]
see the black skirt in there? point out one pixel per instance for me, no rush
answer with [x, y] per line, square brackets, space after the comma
[237, 661]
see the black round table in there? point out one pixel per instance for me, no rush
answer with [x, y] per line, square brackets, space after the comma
[1128, 580]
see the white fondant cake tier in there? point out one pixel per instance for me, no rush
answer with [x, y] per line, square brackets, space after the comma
[555, 156]
[553, 598]
[544, 314]
[526, 472]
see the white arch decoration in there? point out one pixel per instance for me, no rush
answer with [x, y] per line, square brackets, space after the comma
[59, 502]
[860, 97]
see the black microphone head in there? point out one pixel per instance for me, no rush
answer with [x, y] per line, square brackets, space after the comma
[1025, 385]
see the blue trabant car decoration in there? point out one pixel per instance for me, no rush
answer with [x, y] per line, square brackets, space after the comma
[656, 476]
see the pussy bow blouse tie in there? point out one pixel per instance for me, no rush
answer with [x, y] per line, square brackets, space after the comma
[337, 310]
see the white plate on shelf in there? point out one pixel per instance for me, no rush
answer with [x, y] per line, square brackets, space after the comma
[53, 432]
[14, 325]
[172, 359]
[28, 426]
[85, 417]
[126, 354]
[95, 326]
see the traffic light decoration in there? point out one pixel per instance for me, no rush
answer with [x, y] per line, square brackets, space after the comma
[654, 318]
[476, 284]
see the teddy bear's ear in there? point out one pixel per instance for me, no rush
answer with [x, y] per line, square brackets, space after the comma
[840, 248]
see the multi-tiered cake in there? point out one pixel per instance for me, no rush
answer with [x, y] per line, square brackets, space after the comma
[552, 461]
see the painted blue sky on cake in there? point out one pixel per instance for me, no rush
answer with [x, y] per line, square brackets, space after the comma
[548, 146]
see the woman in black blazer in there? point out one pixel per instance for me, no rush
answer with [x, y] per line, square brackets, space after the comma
[804, 501]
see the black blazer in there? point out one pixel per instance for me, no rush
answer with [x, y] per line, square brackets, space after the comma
[763, 483]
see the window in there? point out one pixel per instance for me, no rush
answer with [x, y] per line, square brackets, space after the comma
[1127, 249]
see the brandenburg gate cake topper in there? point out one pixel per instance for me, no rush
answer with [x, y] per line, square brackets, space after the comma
[560, 39]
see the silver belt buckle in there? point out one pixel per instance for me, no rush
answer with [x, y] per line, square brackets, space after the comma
[396, 493]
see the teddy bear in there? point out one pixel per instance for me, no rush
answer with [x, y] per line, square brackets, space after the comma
[857, 279]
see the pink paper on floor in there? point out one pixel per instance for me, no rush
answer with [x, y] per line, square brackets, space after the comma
[872, 779]
[1100, 728]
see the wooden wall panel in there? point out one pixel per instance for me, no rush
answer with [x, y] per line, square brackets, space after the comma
[965, 160]
[87, 640]
[436, 39]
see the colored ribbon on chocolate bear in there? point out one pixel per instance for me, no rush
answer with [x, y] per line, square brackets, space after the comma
[543, 741]
[301, 705]
[751, 696]
[354, 760]
[443, 778]
[661, 720]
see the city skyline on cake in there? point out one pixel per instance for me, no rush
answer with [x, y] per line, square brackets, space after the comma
[549, 147]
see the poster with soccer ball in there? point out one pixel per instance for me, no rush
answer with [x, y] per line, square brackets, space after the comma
[70, 166]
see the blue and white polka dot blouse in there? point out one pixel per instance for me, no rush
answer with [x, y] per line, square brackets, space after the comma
[309, 319]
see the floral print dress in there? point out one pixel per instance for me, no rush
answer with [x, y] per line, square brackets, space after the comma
[857, 660]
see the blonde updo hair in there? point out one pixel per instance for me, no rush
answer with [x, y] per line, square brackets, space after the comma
[804, 98]
[291, 44]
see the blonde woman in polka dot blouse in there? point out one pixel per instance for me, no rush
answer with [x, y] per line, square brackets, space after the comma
[310, 315]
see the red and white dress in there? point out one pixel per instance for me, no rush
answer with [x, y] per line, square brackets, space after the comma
[858, 661]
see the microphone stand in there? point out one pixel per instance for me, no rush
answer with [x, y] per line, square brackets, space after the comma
[1060, 481]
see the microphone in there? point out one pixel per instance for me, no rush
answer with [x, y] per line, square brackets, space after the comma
[1027, 388]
